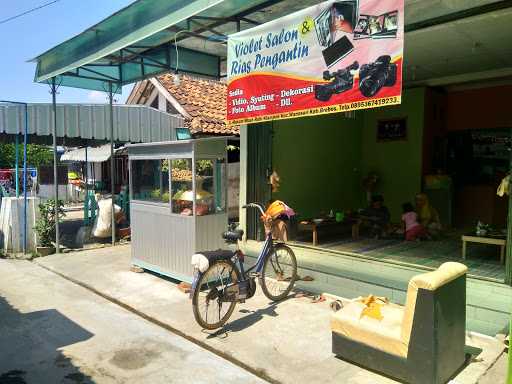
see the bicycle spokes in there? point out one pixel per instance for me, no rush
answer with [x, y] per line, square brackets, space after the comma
[211, 300]
[280, 272]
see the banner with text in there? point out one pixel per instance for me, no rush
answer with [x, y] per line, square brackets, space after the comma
[336, 56]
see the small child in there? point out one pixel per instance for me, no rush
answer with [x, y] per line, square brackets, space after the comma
[413, 229]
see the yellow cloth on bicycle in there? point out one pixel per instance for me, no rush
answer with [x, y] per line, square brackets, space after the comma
[275, 209]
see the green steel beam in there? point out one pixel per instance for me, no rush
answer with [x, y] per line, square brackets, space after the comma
[120, 30]
[143, 27]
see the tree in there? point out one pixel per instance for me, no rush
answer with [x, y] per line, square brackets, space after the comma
[36, 155]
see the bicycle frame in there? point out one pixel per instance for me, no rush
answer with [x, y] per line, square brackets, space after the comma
[267, 248]
[257, 268]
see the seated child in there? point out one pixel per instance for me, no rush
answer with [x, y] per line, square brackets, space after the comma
[413, 229]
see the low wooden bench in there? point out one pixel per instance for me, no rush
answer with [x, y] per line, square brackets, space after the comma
[484, 240]
[314, 228]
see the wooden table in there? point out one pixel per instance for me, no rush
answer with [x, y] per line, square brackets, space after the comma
[311, 226]
[484, 240]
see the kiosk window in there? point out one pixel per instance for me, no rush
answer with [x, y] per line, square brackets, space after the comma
[181, 187]
[150, 180]
[211, 190]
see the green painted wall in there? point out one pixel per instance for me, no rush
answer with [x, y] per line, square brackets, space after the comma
[318, 160]
[322, 160]
[398, 163]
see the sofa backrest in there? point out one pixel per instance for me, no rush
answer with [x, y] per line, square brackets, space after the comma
[430, 281]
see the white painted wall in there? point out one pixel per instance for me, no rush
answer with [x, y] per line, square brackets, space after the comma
[12, 224]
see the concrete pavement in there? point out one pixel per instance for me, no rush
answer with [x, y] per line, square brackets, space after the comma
[497, 373]
[288, 342]
[54, 331]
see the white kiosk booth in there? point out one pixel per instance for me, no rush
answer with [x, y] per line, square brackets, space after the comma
[178, 203]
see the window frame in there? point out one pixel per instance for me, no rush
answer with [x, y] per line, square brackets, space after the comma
[149, 202]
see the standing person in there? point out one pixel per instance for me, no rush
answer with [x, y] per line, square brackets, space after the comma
[412, 229]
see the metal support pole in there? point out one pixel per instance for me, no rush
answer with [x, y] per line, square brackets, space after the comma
[25, 134]
[111, 102]
[55, 180]
[17, 166]
[508, 258]
[86, 199]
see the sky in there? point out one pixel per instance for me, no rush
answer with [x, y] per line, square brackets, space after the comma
[26, 37]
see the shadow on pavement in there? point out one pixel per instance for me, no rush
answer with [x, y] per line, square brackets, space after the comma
[245, 322]
[29, 347]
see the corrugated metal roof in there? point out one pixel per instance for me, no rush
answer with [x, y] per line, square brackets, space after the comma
[94, 154]
[132, 123]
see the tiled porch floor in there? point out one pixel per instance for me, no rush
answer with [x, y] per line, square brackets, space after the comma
[482, 260]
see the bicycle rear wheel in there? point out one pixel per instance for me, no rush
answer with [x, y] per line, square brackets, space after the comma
[210, 311]
[279, 273]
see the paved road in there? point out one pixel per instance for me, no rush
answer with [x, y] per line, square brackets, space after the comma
[53, 331]
[288, 342]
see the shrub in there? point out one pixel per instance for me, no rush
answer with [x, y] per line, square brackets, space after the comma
[45, 224]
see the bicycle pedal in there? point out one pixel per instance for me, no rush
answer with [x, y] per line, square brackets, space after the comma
[255, 274]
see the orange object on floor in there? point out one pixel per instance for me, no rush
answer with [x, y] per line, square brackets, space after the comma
[184, 287]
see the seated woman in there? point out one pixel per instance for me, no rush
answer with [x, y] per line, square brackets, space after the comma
[376, 216]
[427, 215]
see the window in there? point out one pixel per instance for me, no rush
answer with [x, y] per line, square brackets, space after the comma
[150, 180]
[211, 190]
[183, 134]
[181, 187]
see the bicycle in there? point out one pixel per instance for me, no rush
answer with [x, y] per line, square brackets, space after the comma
[220, 279]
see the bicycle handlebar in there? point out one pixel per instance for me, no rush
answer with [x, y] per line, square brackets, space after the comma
[255, 205]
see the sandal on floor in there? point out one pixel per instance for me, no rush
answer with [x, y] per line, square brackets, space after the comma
[318, 299]
[336, 305]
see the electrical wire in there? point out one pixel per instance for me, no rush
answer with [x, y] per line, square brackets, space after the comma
[28, 11]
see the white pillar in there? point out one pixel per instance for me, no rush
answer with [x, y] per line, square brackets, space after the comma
[162, 102]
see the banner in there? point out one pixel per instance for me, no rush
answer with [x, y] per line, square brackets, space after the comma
[336, 56]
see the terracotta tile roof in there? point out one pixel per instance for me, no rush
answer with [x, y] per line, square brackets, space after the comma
[204, 100]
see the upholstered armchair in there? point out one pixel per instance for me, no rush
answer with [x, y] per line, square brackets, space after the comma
[419, 343]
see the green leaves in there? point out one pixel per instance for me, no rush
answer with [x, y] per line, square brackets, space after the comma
[36, 155]
[45, 224]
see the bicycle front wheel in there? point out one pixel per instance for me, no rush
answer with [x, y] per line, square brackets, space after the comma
[279, 273]
[210, 309]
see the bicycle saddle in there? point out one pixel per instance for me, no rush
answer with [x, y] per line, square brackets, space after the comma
[233, 235]
[219, 254]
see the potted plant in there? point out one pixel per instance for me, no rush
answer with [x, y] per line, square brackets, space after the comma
[45, 225]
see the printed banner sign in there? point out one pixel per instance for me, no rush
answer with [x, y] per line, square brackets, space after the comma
[336, 56]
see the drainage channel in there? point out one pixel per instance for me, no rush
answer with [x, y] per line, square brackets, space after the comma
[256, 372]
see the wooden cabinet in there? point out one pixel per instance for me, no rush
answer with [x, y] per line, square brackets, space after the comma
[480, 202]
